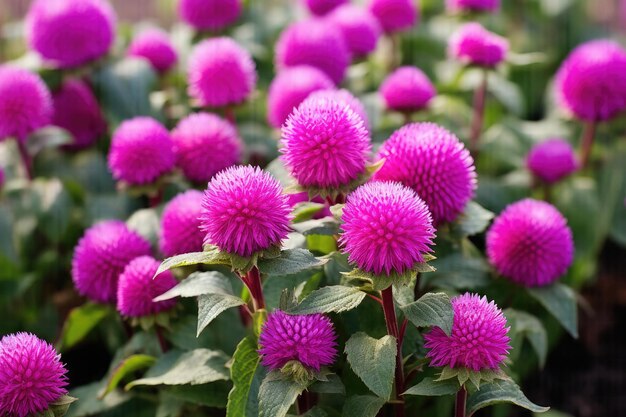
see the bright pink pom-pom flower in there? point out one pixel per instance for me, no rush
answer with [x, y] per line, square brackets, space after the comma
[180, 224]
[309, 339]
[314, 42]
[100, 257]
[141, 151]
[591, 82]
[386, 228]
[70, 33]
[479, 336]
[530, 243]
[552, 160]
[395, 15]
[244, 211]
[25, 103]
[473, 5]
[155, 46]
[204, 145]
[344, 98]
[290, 87]
[359, 26]
[407, 89]
[325, 144]
[475, 45]
[31, 375]
[220, 72]
[322, 7]
[211, 15]
[432, 161]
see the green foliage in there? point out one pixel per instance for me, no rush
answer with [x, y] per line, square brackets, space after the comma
[560, 301]
[432, 309]
[431, 387]
[500, 391]
[211, 305]
[373, 360]
[80, 322]
[246, 375]
[363, 406]
[291, 262]
[276, 395]
[334, 298]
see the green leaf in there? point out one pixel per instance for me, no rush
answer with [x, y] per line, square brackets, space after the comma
[129, 365]
[334, 298]
[276, 396]
[208, 395]
[290, 262]
[211, 305]
[60, 407]
[305, 211]
[199, 283]
[210, 257]
[146, 223]
[326, 226]
[47, 137]
[530, 327]
[89, 404]
[463, 375]
[500, 391]
[432, 309]
[363, 406]
[313, 412]
[429, 387]
[53, 205]
[457, 271]
[332, 386]
[246, 375]
[472, 221]
[80, 322]
[560, 301]
[374, 361]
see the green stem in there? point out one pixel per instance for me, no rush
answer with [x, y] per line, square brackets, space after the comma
[479, 115]
[392, 329]
[586, 144]
[27, 160]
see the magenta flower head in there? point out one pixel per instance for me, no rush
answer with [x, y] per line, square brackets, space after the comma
[70, 33]
[359, 26]
[25, 103]
[220, 72]
[345, 98]
[309, 339]
[100, 257]
[386, 228]
[290, 87]
[530, 243]
[432, 161]
[478, 339]
[32, 376]
[213, 15]
[473, 44]
[155, 46]
[322, 7]
[407, 89]
[395, 15]
[325, 144]
[205, 144]
[141, 151]
[314, 42]
[137, 288]
[473, 5]
[591, 83]
[244, 211]
[552, 160]
[180, 224]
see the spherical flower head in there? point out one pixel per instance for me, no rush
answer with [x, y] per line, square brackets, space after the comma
[478, 339]
[141, 151]
[591, 83]
[314, 42]
[475, 45]
[244, 211]
[308, 339]
[433, 162]
[473, 5]
[325, 144]
[70, 33]
[220, 73]
[180, 224]
[155, 46]
[552, 160]
[304, 197]
[205, 144]
[407, 89]
[322, 7]
[344, 98]
[395, 15]
[25, 103]
[386, 228]
[100, 257]
[31, 375]
[359, 26]
[290, 87]
[213, 15]
[530, 243]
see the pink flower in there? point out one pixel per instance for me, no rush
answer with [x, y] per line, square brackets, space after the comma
[359, 26]
[155, 46]
[322, 7]
[344, 98]
[407, 89]
[213, 15]
[552, 160]
[180, 224]
[473, 5]
[395, 15]
[475, 45]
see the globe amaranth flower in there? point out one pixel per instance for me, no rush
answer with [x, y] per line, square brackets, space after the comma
[475, 45]
[386, 228]
[359, 26]
[220, 73]
[205, 144]
[70, 33]
[395, 15]
[180, 224]
[432, 161]
[322, 7]
[32, 376]
[141, 151]
[314, 42]
[155, 46]
[344, 98]
[213, 15]
[478, 339]
[309, 339]
[138, 287]
[591, 83]
[100, 257]
[407, 89]
[244, 211]
[530, 243]
[325, 144]
[473, 5]
[290, 87]
[25, 103]
[552, 160]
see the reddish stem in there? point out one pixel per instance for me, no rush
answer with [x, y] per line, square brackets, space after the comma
[479, 114]
[162, 342]
[392, 329]
[461, 399]
[27, 160]
[402, 331]
[229, 113]
[377, 299]
[156, 199]
[586, 144]
[253, 281]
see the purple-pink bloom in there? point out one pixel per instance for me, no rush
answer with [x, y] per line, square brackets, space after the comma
[155, 46]
[478, 339]
[322, 7]
[31, 375]
[205, 144]
[180, 224]
[530, 243]
[359, 26]
[475, 45]
[213, 15]
[395, 15]
[100, 257]
[552, 160]
[407, 89]
[473, 5]
[432, 161]
[309, 339]
[344, 98]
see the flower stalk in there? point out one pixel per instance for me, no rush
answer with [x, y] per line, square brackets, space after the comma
[27, 160]
[392, 329]
[252, 280]
[479, 114]
[586, 143]
[461, 400]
